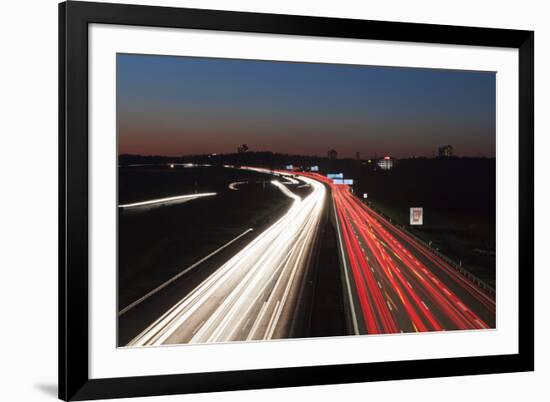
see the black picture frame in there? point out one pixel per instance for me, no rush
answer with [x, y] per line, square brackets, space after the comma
[74, 381]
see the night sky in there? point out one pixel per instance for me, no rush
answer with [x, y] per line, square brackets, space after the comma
[181, 105]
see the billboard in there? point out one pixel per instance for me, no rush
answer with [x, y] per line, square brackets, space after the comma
[365, 195]
[289, 167]
[348, 182]
[335, 175]
[417, 216]
[314, 168]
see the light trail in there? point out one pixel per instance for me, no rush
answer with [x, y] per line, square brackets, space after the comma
[401, 286]
[180, 274]
[284, 189]
[234, 186]
[190, 165]
[164, 201]
[254, 294]
[393, 283]
[290, 180]
[444, 314]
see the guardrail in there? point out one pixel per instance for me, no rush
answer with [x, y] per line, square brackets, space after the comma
[453, 264]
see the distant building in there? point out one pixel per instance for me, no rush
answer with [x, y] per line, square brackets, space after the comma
[358, 156]
[332, 155]
[445, 151]
[386, 163]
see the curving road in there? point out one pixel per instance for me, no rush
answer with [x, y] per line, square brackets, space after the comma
[254, 294]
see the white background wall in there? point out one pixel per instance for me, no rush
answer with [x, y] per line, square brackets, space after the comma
[28, 197]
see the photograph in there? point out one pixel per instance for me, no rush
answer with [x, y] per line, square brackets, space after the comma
[261, 200]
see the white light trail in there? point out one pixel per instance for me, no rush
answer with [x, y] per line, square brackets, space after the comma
[290, 180]
[254, 294]
[284, 189]
[167, 200]
[233, 186]
[181, 273]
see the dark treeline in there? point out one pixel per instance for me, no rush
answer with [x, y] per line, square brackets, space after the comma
[276, 160]
[464, 184]
[447, 184]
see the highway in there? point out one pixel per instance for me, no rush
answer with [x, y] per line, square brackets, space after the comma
[253, 295]
[391, 282]
[397, 283]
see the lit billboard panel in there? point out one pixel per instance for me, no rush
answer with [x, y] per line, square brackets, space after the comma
[417, 216]
[348, 182]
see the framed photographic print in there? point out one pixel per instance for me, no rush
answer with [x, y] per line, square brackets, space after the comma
[256, 200]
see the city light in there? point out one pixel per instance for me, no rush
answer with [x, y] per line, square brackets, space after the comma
[164, 201]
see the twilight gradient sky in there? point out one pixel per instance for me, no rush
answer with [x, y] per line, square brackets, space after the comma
[182, 105]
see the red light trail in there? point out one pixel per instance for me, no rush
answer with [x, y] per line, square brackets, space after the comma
[400, 284]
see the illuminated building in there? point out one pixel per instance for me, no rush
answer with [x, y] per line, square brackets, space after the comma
[386, 163]
[445, 151]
